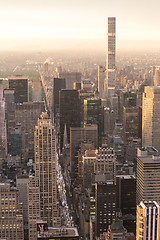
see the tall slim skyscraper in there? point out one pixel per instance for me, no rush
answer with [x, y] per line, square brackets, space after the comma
[151, 117]
[101, 78]
[45, 175]
[3, 134]
[111, 52]
[70, 112]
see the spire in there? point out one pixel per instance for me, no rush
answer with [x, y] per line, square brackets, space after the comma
[65, 138]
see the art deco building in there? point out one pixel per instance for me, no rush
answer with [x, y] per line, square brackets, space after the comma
[20, 85]
[151, 117]
[45, 176]
[11, 213]
[148, 221]
[105, 162]
[111, 52]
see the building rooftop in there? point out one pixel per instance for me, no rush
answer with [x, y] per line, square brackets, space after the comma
[17, 77]
[58, 232]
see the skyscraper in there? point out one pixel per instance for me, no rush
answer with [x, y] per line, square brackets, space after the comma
[3, 134]
[20, 85]
[148, 220]
[148, 175]
[11, 213]
[45, 174]
[101, 78]
[58, 84]
[111, 51]
[70, 112]
[151, 117]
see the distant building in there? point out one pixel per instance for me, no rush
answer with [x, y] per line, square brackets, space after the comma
[70, 78]
[111, 52]
[151, 117]
[148, 218]
[127, 99]
[130, 124]
[36, 91]
[20, 85]
[70, 109]
[11, 213]
[3, 131]
[58, 84]
[27, 115]
[101, 80]
[93, 113]
[9, 114]
[77, 136]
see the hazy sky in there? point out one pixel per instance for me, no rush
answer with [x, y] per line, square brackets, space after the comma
[78, 23]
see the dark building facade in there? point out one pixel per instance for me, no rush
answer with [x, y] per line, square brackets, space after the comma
[69, 112]
[20, 85]
[88, 133]
[9, 114]
[105, 206]
[58, 84]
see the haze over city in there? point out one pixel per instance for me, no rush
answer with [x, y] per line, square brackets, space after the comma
[78, 25]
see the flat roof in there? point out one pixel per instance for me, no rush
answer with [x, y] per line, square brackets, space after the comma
[59, 232]
[17, 77]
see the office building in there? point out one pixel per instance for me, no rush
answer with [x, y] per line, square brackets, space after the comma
[130, 124]
[151, 117]
[148, 220]
[70, 112]
[148, 175]
[58, 84]
[9, 114]
[105, 206]
[111, 52]
[70, 78]
[126, 194]
[3, 132]
[101, 78]
[42, 187]
[11, 213]
[88, 161]
[20, 85]
[36, 91]
[22, 186]
[27, 115]
[105, 162]
[157, 77]
[93, 113]
[88, 133]
[16, 141]
[126, 99]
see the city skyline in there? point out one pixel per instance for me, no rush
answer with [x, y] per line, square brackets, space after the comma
[78, 25]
